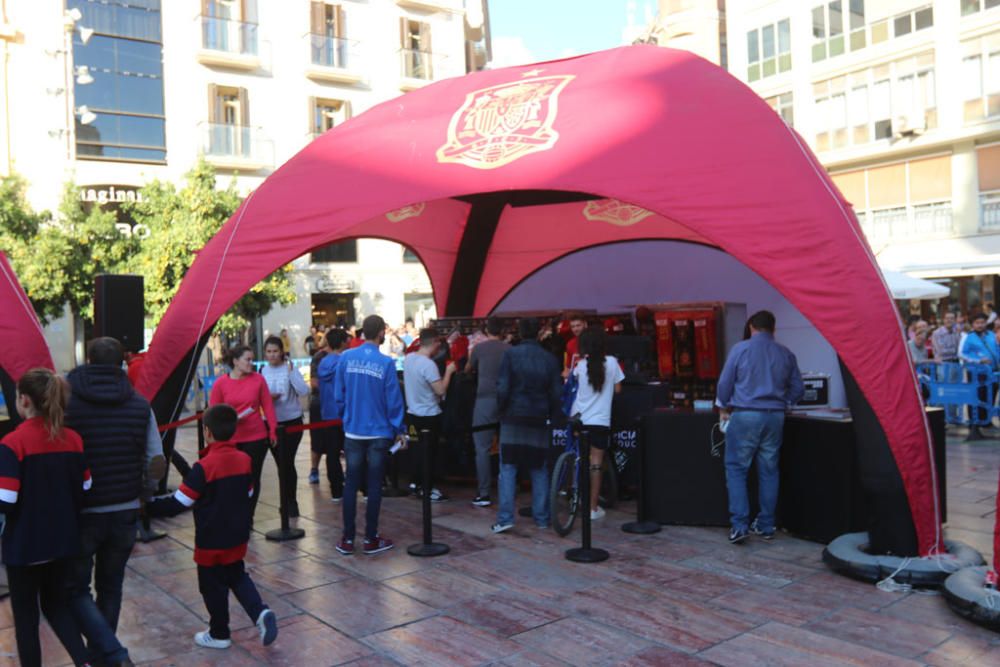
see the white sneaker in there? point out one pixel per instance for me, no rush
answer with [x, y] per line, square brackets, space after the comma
[267, 623]
[206, 639]
[597, 514]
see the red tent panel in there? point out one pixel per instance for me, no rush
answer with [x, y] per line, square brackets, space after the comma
[657, 128]
[24, 345]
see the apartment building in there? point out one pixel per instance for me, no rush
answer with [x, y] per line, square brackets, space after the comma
[900, 100]
[115, 93]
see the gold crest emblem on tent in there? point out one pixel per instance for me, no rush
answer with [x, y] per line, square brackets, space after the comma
[411, 211]
[616, 212]
[500, 124]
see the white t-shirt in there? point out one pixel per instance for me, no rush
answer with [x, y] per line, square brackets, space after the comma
[419, 372]
[594, 407]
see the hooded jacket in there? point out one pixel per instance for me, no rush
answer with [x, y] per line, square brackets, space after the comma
[112, 418]
[326, 372]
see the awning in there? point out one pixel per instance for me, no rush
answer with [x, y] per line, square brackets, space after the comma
[905, 286]
[943, 258]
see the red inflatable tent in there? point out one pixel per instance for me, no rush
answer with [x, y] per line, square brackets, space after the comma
[475, 174]
[24, 345]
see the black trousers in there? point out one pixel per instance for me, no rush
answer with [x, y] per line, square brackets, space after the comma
[257, 450]
[291, 442]
[417, 424]
[49, 586]
[215, 582]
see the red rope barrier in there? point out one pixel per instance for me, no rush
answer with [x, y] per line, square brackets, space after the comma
[299, 428]
[187, 420]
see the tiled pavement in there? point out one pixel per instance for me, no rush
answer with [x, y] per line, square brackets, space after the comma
[681, 597]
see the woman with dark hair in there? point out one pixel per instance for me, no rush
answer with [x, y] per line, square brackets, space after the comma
[529, 387]
[245, 390]
[600, 378]
[287, 386]
[42, 479]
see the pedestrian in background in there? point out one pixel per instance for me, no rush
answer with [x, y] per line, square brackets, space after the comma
[287, 387]
[980, 350]
[484, 362]
[759, 381]
[331, 440]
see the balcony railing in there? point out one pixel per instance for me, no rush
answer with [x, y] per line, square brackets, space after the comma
[418, 67]
[989, 211]
[334, 59]
[922, 220]
[236, 146]
[228, 43]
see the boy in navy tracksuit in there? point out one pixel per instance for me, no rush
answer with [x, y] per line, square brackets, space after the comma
[220, 487]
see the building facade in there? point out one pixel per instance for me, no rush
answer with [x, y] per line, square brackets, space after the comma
[900, 100]
[114, 93]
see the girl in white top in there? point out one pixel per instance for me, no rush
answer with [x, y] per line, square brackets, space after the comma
[287, 387]
[599, 378]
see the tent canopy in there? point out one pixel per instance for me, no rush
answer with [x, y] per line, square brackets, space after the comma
[24, 345]
[905, 286]
[491, 176]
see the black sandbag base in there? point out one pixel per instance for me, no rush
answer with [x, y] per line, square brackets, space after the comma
[965, 594]
[848, 555]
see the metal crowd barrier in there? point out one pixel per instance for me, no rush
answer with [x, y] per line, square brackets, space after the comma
[965, 391]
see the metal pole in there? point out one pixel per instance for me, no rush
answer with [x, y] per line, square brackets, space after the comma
[286, 532]
[585, 553]
[428, 547]
[641, 526]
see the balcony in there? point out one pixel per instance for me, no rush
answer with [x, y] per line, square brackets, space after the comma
[333, 59]
[989, 212]
[431, 5]
[418, 68]
[228, 43]
[236, 147]
[910, 223]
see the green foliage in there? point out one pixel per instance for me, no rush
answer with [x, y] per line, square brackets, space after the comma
[57, 259]
[181, 222]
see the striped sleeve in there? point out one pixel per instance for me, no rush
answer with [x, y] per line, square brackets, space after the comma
[10, 473]
[193, 486]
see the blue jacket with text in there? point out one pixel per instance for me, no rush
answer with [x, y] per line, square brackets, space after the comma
[367, 394]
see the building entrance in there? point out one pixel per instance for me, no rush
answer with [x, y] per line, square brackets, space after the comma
[333, 310]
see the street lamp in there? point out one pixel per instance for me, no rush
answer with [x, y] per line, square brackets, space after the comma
[83, 76]
[86, 115]
[86, 34]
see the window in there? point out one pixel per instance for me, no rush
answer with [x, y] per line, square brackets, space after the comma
[918, 19]
[124, 58]
[342, 251]
[229, 25]
[857, 108]
[829, 27]
[410, 257]
[979, 82]
[328, 28]
[882, 109]
[857, 24]
[769, 50]
[973, 6]
[415, 47]
[229, 131]
[328, 113]
[782, 104]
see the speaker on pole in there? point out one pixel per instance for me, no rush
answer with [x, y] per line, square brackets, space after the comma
[119, 309]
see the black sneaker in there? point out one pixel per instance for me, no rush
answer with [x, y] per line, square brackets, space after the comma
[763, 534]
[482, 501]
[737, 536]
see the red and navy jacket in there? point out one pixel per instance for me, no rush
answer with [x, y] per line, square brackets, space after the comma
[42, 480]
[219, 488]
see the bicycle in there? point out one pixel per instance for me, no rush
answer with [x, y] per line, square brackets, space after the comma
[564, 489]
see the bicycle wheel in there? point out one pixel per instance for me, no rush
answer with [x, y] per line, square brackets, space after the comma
[563, 495]
[609, 483]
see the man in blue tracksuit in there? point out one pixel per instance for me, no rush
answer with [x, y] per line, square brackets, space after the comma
[370, 403]
[980, 350]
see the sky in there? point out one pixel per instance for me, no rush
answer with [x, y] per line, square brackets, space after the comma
[526, 31]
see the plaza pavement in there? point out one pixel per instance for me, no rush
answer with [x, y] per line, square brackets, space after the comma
[681, 597]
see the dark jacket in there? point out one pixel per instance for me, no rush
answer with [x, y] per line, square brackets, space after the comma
[112, 418]
[529, 384]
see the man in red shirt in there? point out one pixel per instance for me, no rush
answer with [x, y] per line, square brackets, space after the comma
[577, 324]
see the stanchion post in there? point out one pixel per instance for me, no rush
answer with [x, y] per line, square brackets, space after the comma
[641, 526]
[428, 547]
[286, 532]
[585, 553]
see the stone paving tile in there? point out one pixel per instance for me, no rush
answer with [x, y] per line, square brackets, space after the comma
[358, 607]
[302, 640]
[786, 605]
[440, 586]
[752, 571]
[234, 656]
[441, 641]
[519, 572]
[933, 612]
[964, 651]
[879, 631]
[580, 642]
[776, 645]
[507, 613]
[529, 658]
[658, 656]
[837, 591]
[296, 574]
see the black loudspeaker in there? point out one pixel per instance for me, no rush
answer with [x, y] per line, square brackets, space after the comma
[119, 309]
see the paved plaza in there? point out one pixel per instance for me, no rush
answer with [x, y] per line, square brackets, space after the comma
[681, 597]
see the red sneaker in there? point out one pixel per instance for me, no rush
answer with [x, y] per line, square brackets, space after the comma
[378, 545]
[345, 546]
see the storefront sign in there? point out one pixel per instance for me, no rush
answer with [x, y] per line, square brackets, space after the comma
[327, 284]
[113, 195]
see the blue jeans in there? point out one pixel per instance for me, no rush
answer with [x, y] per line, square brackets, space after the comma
[507, 489]
[753, 434]
[106, 542]
[376, 453]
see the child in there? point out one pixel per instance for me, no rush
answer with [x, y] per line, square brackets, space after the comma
[42, 479]
[219, 487]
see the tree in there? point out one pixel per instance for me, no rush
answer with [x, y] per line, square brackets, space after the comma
[180, 223]
[56, 259]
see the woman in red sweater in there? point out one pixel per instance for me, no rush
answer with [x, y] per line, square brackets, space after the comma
[245, 390]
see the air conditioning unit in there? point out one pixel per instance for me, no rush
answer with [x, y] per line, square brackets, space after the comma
[911, 125]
